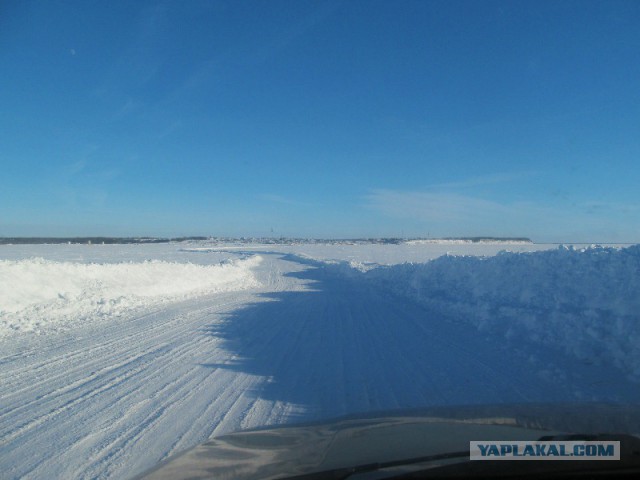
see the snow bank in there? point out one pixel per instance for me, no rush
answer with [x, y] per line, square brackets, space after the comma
[584, 301]
[38, 295]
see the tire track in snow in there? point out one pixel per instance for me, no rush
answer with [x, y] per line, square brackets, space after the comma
[130, 368]
[129, 333]
[306, 345]
[77, 384]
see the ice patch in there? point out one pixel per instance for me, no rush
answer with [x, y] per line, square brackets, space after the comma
[38, 295]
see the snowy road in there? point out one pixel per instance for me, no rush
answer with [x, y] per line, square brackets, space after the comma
[110, 401]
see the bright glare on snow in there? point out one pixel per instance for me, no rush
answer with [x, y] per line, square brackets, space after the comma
[40, 295]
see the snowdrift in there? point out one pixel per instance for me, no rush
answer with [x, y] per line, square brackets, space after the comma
[38, 295]
[583, 301]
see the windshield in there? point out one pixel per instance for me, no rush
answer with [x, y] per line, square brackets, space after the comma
[223, 215]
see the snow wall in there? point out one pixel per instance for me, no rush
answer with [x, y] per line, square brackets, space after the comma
[583, 301]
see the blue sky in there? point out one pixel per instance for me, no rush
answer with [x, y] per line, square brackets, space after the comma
[321, 118]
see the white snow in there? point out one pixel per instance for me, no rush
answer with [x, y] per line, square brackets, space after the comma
[41, 295]
[117, 356]
[461, 241]
[585, 301]
[389, 254]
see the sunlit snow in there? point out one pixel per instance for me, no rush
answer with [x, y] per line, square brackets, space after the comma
[117, 356]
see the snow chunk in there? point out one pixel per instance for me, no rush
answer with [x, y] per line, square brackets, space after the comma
[38, 295]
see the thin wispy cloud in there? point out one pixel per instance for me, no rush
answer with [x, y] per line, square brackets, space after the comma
[295, 29]
[129, 107]
[453, 214]
[74, 167]
[173, 127]
[139, 62]
[84, 184]
[444, 202]
[213, 70]
[433, 206]
[490, 179]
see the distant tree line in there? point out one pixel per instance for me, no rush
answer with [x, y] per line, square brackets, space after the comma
[245, 240]
[91, 240]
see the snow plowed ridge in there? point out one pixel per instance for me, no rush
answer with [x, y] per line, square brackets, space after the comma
[38, 295]
[583, 301]
[313, 340]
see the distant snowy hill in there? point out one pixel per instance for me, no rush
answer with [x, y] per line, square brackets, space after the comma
[472, 240]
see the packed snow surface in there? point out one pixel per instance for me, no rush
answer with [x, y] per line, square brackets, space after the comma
[115, 357]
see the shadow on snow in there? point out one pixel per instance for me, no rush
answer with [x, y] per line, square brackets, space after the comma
[340, 347]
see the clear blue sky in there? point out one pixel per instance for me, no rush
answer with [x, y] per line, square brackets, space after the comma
[321, 118]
